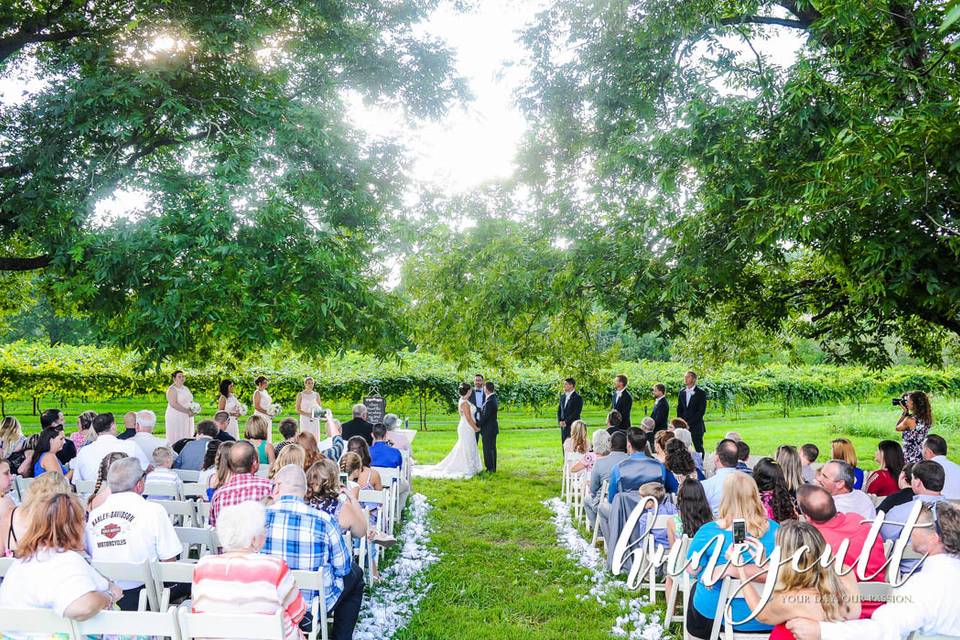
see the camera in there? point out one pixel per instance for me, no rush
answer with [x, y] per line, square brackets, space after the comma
[899, 402]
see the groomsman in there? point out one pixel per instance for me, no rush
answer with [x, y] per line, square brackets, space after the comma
[568, 411]
[661, 411]
[622, 400]
[691, 406]
[478, 397]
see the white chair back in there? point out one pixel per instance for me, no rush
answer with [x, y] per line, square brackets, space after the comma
[314, 580]
[188, 475]
[35, 621]
[193, 490]
[131, 623]
[22, 485]
[164, 489]
[205, 539]
[85, 487]
[223, 626]
[203, 512]
[134, 572]
[5, 564]
[182, 513]
[170, 572]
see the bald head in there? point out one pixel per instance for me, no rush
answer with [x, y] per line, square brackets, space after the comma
[243, 458]
[816, 503]
[290, 481]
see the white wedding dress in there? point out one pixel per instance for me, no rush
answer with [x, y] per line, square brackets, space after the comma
[463, 461]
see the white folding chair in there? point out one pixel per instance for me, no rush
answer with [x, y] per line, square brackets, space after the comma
[204, 539]
[131, 623]
[390, 477]
[164, 489]
[202, 515]
[22, 485]
[194, 490]
[876, 500]
[314, 580]
[728, 588]
[133, 572]
[182, 513]
[224, 626]
[604, 488]
[170, 572]
[188, 475]
[85, 487]
[5, 564]
[35, 621]
[916, 635]
[569, 459]
[379, 500]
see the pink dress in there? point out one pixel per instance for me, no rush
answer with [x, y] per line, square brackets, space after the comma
[179, 425]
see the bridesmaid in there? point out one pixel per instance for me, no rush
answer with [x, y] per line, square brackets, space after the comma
[307, 400]
[178, 417]
[262, 402]
[229, 403]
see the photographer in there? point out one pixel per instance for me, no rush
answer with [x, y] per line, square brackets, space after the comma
[914, 424]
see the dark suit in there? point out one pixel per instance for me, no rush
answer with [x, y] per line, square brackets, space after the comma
[660, 414]
[623, 406]
[568, 412]
[358, 427]
[489, 428]
[693, 413]
[477, 400]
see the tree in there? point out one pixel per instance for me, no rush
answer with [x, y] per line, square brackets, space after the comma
[822, 194]
[262, 203]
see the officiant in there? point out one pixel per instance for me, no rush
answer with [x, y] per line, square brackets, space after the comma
[477, 397]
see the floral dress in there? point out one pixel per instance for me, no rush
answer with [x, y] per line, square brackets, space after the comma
[913, 442]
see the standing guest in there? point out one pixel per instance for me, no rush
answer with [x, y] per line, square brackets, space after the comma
[726, 464]
[164, 482]
[842, 449]
[242, 580]
[146, 420]
[600, 448]
[923, 604]
[292, 455]
[263, 405]
[661, 408]
[228, 403]
[129, 426]
[324, 492]
[358, 426]
[309, 445]
[11, 436]
[679, 461]
[17, 521]
[883, 481]
[615, 423]
[288, 429]
[927, 484]
[101, 491]
[53, 418]
[84, 433]
[683, 435]
[50, 571]
[905, 492]
[243, 484]
[257, 433]
[127, 528]
[638, 469]
[179, 417]
[914, 424]
[693, 511]
[45, 460]
[577, 442]
[774, 495]
[622, 400]
[836, 476]
[743, 455]
[399, 440]
[935, 448]
[307, 401]
[569, 408]
[808, 455]
[692, 406]
[792, 467]
[308, 539]
[601, 473]
[222, 420]
[192, 455]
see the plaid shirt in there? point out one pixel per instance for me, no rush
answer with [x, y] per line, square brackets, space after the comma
[308, 539]
[240, 488]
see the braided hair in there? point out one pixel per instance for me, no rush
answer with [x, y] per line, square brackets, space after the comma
[108, 459]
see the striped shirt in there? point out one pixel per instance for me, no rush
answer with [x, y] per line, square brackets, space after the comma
[248, 583]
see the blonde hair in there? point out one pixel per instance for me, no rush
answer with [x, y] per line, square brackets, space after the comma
[162, 457]
[653, 490]
[789, 460]
[44, 486]
[10, 433]
[222, 463]
[742, 500]
[323, 480]
[578, 434]
[842, 449]
[108, 459]
[351, 462]
[256, 428]
[802, 542]
[290, 454]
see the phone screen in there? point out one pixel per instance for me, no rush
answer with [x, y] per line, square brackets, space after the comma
[739, 531]
[343, 478]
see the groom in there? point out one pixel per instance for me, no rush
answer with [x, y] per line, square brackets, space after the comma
[489, 427]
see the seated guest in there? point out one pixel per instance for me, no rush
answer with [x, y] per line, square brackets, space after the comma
[663, 508]
[15, 523]
[222, 463]
[883, 481]
[684, 436]
[743, 454]
[614, 422]
[324, 492]
[774, 495]
[6, 483]
[53, 418]
[209, 467]
[257, 433]
[926, 603]
[679, 460]
[805, 588]
[935, 448]
[693, 511]
[192, 455]
[144, 438]
[84, 433]
[291, 454]
[291, 522]
[101, 491]
[842, 449]
[638, 468]
[577, 442]
[678, 423]
[164, 482]
[127, 528]
[790, 464]
[288, 429]
[242, 580]
[222, 420]
[808, 455]
[243, 485]
[740, 501]
[601, 472]
[647, 425]
[399, 440]
[905, 494]
[599, 449]
[836, 476]
[88, 459]
[927, 484]
[309, 444]
[659, 444]
[129, 426]
[383, 455]
[358, 426]
[726, 457]
[50, 571]
[45, 459]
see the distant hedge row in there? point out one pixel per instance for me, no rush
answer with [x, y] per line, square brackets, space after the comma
[31, 370]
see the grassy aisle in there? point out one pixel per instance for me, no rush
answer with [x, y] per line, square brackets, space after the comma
[501, 572]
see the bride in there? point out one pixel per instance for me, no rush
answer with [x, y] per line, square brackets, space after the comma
[463, 461]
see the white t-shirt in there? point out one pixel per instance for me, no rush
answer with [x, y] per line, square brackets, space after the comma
[127, 528]
[87, 463]
[49, 580]
[147, 442]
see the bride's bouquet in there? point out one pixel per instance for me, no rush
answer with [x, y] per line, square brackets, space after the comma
[194, 408]
[275, 409]
[242, 409]
[318, 412]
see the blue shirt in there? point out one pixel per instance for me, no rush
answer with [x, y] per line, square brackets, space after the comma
[639, 469]
[383, 455]
[706, 599]
[308, 539]
[38, 469]
[713, 487]
[900, 513]
[659, 535]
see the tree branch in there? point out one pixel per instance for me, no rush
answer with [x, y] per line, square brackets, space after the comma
[781, 22]
[25, 264]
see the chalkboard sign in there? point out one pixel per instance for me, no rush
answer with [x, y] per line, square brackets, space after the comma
[376, 408]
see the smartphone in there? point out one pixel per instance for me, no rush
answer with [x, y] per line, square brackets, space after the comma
[739, 531]
[343, 479]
